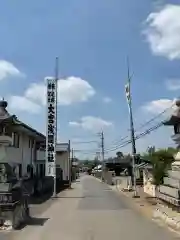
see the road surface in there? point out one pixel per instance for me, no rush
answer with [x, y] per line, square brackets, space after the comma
[92, 211]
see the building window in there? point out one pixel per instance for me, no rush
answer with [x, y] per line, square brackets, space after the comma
[5, 130]
[41, 170]
[37, 170]
[16, 140]
[28, 168]
[8, 131]
[30, 142]
[177, 129]
[20, 170]
[44, 170]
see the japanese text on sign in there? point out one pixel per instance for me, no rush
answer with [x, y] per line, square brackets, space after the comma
[51, 126]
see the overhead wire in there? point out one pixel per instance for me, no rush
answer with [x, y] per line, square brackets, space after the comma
[125, 143]
[122, 144]
[84, 142]
[144, 124]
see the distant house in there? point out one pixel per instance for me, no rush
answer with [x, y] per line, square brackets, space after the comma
[118, 163]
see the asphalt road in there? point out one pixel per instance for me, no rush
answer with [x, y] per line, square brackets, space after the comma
[113, 217]
[92, 211]
[37, 207]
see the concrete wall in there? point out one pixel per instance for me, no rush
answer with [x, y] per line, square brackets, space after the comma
[63, 161]
[108, 177]
[174, 174]
[172, 182]
[173, 192]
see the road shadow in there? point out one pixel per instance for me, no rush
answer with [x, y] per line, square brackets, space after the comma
[73, 197]
[36, 221]
[33, 221]
[40, 199]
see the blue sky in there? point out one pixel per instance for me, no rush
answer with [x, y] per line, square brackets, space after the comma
[92, 40]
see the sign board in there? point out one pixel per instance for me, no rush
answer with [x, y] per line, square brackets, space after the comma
[51, 126]
[64, 147]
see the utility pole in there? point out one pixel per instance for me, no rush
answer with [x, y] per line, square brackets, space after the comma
[72, 155]
[102, 145]
[69, 162]
[72, 158]
[102, 154]
[129, 100]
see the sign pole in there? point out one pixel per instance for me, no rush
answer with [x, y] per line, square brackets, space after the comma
[51, 126]
[56, 80]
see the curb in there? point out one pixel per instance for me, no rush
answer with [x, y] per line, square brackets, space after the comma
[170, 221]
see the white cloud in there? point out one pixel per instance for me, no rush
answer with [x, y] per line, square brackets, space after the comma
[107, 99]
[92, 123]
[75, 124]
[21, 103]
[36, 92]
[173, 84]
[8, 69]
[163, 31]
[70, 90]
[158, 106]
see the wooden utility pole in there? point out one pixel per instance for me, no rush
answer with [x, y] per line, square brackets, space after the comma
[69, 163]
[102, 154]
[102, 146]
[129, 101]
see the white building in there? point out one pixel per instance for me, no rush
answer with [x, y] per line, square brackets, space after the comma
[63, 160]
[24, 148]
[19, 143]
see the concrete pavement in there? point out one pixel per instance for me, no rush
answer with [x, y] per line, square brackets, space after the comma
[92, 211]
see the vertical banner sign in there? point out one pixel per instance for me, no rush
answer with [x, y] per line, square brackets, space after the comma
[51, 126]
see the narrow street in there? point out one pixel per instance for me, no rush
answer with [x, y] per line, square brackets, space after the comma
[91, 211]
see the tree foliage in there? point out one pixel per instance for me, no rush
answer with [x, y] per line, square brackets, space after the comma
[161, 161]
[119, 155]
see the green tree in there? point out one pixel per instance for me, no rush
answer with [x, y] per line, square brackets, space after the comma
[119, 155]
[161, 161]
[172, 151]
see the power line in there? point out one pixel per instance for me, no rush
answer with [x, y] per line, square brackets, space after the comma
[86, 151]
[121, 143]
[125, 143]
[84, 142]
[144, 124]
[148, 131]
